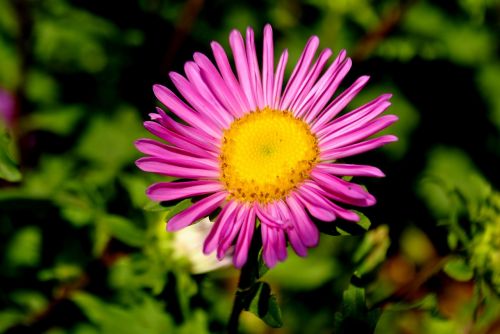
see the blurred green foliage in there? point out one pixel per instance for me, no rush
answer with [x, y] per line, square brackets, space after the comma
[84, 251]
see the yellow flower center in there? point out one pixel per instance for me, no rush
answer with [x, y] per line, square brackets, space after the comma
[265, 155]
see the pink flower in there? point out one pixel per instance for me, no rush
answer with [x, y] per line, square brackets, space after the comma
[265, 155]
[7, 108]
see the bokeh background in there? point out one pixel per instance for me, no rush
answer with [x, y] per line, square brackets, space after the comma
[82, 250]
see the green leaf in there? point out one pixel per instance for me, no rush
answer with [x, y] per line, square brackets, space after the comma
[372, 251]
[9, 318]
[124, 230]
[354, 316]
[458, 269]
[342, 227]
[143, 315]
[60, 121]
[29, 300]
[8, 167]
[173, 210]
[24, 249]
[63, 272]
[197, 323]
[155, 207]
[106, 145]
[137, 271]
[265, 306]
[416, 246]
[263, 269]
[364, 221]
[302, 274]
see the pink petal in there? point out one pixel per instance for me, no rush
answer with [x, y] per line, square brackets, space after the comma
[244, 75]
[268, 250]
[355, 135]
[299, 72]
[244, 240]
[223, 220]
[306, 229]
[196, 211]
[175, 139]
[190, 93]
[172, 102]
[280, 245]
[253, 66]
[357, 117]
[316, 206]
[323, 91]
[310, 80]
[159, 166]
[157, 149]
[190, 134]
[354, 149]
[343, 191]
[228, 75]
[296, 242]
[320, 193]
[278, 81]
[229, 234]
[168, 191]
[350, 170]
[217, 85]
[268, 66]
[339, 103]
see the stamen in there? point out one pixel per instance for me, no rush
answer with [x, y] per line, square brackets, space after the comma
[266, 154]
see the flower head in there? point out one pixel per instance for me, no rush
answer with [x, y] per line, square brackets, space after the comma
[263, 154]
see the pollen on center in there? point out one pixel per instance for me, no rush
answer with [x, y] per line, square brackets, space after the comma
[266, 154]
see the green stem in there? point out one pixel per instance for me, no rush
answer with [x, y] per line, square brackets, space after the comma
[248, 277]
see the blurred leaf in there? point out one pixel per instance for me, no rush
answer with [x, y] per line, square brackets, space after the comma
[136, 187]
[146, 315]
[297, 273]
[458, 269]
[416, 245]
[8, 168]
[61, 120]
[24, 249]
[437, 198]
[41, 88]
[62, 272]
[69, 38]
[451, 184]
[9, 66]
[372, 251]
[29, 300]
[197, 323]
[430, 28]
[354, 316]
[123, 230]
[137, 271]
[51, 176]
[409, 117]
[186, 289]
[85, 329]
[107, 144]
[7, 18]
[265, 306]
[9, 318]
[489, 84]
[452, 241]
